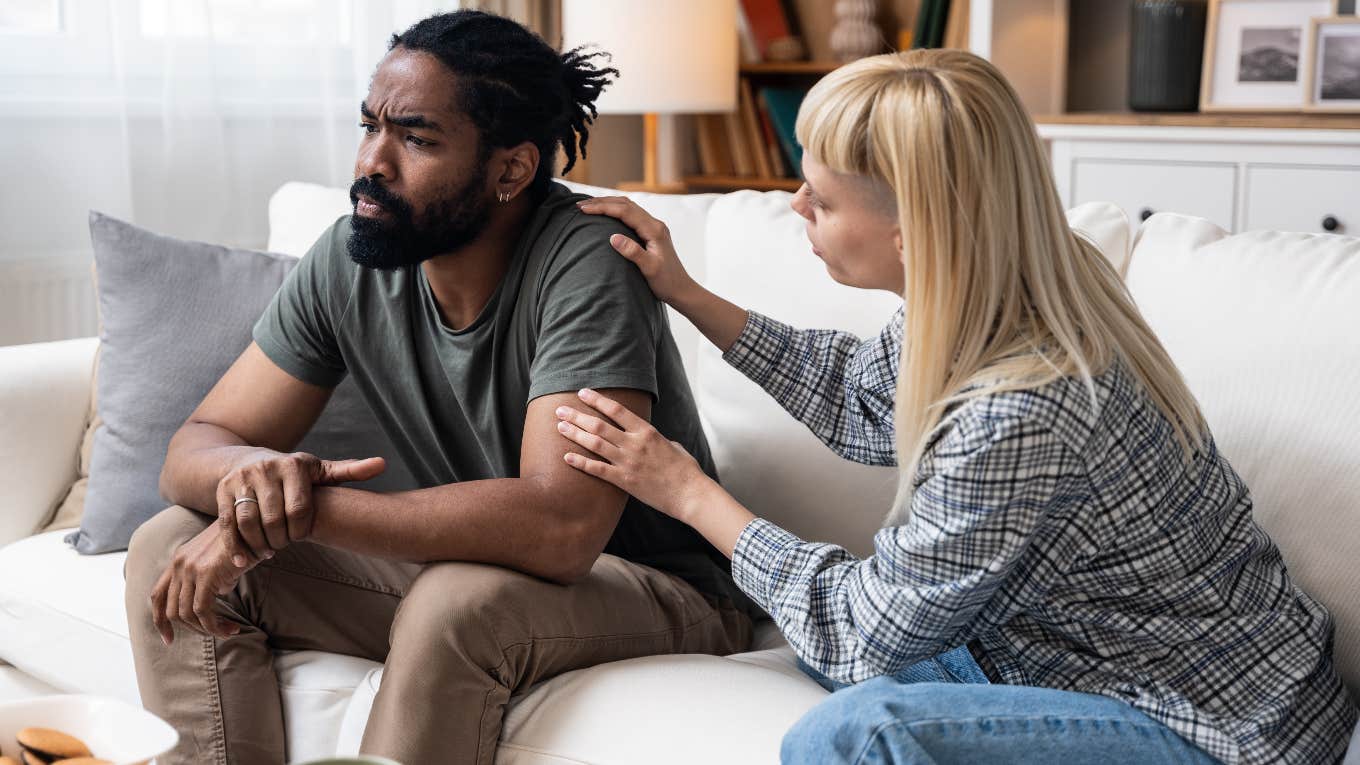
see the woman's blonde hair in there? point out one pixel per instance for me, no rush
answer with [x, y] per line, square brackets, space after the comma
[1000, 293]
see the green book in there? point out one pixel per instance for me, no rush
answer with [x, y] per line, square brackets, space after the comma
[782, 105]
[922, 28]
[938, 22]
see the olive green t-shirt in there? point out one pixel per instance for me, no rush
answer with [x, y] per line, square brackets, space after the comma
[569, 314]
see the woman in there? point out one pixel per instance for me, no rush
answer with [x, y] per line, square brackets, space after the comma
[1064, 514]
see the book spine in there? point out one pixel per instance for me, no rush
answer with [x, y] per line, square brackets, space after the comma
[751, 126]
[767, 21]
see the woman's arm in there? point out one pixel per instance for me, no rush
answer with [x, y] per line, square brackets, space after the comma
[840, 387]
[988, 534]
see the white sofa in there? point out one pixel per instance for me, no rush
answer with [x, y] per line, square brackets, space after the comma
[1265, 326]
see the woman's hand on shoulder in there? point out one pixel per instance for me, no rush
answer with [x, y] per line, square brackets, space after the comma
[655, 257]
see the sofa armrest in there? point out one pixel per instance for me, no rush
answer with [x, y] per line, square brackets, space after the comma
[44, 396]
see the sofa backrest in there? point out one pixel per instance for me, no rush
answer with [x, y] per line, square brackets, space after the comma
[751, 248]
[1265, 327]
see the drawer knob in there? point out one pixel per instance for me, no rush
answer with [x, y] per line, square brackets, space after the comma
[1145, 214]
[1330, 223]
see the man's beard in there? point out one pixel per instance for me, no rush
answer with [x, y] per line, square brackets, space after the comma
[450, 223]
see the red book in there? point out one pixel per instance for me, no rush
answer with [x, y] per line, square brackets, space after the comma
[767, 21]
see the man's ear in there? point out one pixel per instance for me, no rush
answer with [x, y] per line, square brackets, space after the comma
[514, 168]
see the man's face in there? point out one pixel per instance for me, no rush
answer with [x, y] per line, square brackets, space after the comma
[420, 186]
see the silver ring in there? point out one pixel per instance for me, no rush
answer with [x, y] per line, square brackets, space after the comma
[245, 499]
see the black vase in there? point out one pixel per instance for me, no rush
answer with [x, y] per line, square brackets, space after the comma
[1166, 52]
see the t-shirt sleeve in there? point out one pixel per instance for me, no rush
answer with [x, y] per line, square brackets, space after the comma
[599, 326]
[298, 329]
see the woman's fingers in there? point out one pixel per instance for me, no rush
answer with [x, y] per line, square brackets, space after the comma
[627, 247]
[629, 212]
[589, 440]
[614, 410]
[590, 424]
[602, 470]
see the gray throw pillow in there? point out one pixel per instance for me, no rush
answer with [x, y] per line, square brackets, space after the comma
[175, 316]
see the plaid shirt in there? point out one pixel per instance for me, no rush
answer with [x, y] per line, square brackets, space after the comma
[1070, 547]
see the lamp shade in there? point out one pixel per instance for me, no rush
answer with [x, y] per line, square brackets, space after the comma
[672, 55]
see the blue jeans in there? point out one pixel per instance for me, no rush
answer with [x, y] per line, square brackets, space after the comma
[943, 710]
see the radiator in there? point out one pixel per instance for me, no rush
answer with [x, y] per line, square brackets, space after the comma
[48, 298]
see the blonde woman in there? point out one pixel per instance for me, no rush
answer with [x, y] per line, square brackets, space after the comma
[1064, 516]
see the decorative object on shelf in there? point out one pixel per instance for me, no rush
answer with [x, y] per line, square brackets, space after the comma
[1334, 69]
[1256, 52]
[690, 68]
[855, 35]
[1166, 52]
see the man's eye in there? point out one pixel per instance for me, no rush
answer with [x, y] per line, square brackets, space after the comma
[368, 127]
[416, 141]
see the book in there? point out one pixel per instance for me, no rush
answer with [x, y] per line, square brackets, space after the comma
[938, 18]
[777, 164]
[742, 161]
[920, 33]
[956, 28]
[750, 124]
[750, 54]
[714, 153]
[767, 22]
[782, 104]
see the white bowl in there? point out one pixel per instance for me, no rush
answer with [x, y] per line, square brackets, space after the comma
[113, 730]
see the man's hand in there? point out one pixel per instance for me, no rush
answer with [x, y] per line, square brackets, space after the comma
[200, 570]
[279, 509]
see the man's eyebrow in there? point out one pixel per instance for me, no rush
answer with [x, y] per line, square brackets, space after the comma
[408, 121]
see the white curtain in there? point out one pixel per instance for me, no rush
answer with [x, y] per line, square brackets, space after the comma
[182, 116]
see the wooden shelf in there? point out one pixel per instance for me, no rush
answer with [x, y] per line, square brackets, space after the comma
[1275, 120]
[790, 67]
[735, 182]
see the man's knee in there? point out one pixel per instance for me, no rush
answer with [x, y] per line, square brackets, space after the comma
[155, 542]
[467, 603]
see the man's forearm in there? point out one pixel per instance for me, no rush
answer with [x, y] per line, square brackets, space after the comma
[511, 522]
[199, 455]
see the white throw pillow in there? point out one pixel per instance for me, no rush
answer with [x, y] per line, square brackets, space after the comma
[1265, 327]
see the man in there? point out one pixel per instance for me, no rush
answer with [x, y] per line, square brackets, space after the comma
[468, 298]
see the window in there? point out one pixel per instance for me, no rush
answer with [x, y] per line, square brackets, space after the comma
[30, 16]
[313, 22]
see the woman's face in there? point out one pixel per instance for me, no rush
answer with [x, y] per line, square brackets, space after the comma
[852, 226]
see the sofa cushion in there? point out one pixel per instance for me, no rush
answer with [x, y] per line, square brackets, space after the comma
[175, 315]
[1263, 325]
[67, 630]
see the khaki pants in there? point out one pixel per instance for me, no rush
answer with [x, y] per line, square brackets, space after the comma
[457, 640]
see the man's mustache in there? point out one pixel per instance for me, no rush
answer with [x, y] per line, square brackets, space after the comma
[366, 186]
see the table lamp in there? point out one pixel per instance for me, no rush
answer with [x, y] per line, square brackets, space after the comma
[672, 57]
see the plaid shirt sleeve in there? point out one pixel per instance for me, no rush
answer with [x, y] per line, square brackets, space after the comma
[985, 538]
[840, 387]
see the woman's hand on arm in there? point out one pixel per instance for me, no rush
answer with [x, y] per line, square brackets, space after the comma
[657, 471]
[721, 321]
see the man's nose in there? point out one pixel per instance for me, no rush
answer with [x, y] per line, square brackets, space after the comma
[375, 159]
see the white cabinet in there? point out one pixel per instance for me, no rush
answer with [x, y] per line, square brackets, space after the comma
[1301, 179]
[1294, 198]
[1141, 188]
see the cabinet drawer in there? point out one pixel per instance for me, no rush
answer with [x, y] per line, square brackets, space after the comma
[1205, 190]
[1285, 198]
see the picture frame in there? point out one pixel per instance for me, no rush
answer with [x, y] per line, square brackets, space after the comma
[1334, 67]
[1344, 8]
[1257, 53]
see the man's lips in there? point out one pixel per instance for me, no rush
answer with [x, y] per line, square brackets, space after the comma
[368, 208]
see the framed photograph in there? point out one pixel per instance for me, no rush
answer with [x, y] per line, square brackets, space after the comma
[1334, 68]
[1344, 8]
[1257, 54]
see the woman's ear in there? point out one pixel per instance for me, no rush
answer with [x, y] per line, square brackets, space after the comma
[518, 166]
[897, 240]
